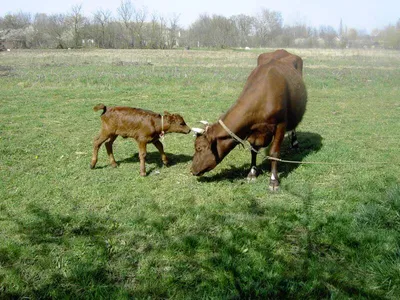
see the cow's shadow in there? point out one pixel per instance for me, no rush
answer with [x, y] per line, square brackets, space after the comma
[309, 143]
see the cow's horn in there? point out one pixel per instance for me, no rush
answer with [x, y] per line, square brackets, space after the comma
[204, 122]
[198, 130]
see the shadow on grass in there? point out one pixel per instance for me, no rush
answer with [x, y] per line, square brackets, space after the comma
[151, 158]
[155, 157]
[46, 240]
[309, 143]
[262, 251]
[319, 256]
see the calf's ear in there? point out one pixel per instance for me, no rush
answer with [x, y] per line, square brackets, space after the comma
[166, 113]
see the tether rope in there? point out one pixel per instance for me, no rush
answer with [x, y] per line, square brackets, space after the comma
[251, 148]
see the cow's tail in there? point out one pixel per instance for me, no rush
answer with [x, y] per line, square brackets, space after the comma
[100, 106]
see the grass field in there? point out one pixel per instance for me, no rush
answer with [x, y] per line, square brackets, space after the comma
[332, 231]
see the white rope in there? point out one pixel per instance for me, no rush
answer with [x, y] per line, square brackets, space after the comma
[251, 148]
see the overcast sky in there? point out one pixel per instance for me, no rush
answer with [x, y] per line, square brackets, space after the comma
[359, 14]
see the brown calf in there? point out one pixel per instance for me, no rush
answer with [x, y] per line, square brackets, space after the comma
[143, 125]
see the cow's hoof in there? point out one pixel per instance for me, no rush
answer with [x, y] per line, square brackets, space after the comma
[143, 174]
[252, 176]
[274, 185]
[114, 165]
[91, 166]
[166, 164]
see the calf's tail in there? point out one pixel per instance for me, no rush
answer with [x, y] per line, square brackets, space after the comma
[100, 106]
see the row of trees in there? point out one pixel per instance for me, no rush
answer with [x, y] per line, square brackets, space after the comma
[133, 27]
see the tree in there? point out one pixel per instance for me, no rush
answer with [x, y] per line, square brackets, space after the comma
[215, 31]
[173, 31]
[391, 36]
[268, 25]
[133, 20]
[57, 30]
[18, 20]
[76, 20]
[328, 34]
[125, 11]
[140, 16]
[341, 29]
[245, 29]
[102, 19]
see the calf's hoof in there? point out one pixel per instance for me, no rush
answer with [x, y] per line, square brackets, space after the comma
[92, 166]
[274, 185]
[114, 165]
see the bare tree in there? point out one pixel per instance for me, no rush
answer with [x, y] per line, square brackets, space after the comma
[154, 32]
[133, 20]
[102, 19]
[57, 30]
[215, 31]
[268, 25]
[328, 34]
[76, 20]
[125, 11]
[245, 29]
[173, 31]
[16, 21]
[140, 16]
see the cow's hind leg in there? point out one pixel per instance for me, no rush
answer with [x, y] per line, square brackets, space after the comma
[110, 153]
[293, 140]
[275, 153]
[160, 149]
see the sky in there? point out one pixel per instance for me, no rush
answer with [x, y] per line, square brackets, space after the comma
[359, 14]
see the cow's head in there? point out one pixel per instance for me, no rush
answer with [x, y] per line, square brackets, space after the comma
[206, 154]
[176, 123]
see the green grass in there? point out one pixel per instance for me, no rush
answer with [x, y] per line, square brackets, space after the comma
[333, 231]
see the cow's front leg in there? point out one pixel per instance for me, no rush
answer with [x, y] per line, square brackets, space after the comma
[275, 152]
[253, 168]
[142, 158]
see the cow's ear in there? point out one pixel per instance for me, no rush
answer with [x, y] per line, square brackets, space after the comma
[166, 113]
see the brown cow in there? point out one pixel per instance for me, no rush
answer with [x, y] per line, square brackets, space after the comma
[272, 102]
[143, 125]
[292, 60]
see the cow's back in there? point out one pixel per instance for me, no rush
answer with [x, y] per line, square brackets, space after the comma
[283, 56]
[274, 92]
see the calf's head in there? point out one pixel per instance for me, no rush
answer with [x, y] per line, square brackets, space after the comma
[206, 155]
[176, 123]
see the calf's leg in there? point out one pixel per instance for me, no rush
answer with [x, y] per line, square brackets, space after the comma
[160, 149]
[275, 152]
[109, 148]
[142, 158]
[98, 141]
